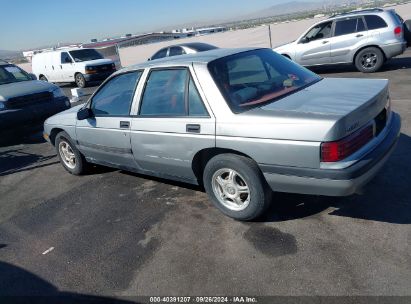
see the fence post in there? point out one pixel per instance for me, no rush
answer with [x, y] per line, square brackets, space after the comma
[269, 35]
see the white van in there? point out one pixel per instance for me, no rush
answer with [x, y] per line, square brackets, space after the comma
[72, 65]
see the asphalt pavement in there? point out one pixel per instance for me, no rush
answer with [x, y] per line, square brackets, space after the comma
[116, 234]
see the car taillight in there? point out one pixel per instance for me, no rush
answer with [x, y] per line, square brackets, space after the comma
[337, 150]
[398, 30]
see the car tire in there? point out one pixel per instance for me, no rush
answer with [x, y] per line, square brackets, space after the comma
[236, 186]
[80, 80]
[70, 157]
[43, 78]
[369, 60]
[407, 31]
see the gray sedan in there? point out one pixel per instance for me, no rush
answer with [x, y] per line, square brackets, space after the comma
[240, 122]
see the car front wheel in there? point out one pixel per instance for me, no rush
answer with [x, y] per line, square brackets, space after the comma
[236, 186]
[69, 156]
[80, 80]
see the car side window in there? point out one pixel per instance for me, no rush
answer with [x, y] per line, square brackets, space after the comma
[175, 50]
[374, 22]
[360, 25]
[195, 104]
[166, 94]
[344, 27]
[320, 31]
[65, 58]
[115, 97]
[160, 54]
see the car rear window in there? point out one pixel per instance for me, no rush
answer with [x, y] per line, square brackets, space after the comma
[374, 22]
[253, 78]
[202, 47]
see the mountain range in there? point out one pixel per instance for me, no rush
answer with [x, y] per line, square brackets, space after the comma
[5, 54]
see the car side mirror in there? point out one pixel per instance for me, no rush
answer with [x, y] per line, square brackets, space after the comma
[84, 113]
[305, 40]
[32, 76]
[68, 60]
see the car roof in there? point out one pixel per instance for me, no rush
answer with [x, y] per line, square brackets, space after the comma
[193, 44]
[188, 59]
[374, 11]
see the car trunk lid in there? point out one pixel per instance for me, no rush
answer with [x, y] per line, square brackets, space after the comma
[345, 105]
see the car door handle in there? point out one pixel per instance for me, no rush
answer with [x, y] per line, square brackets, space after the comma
[324, 42]
[359, 35]
[124, 124]
[190, 128]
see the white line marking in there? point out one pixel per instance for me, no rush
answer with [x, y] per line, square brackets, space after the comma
[48, 250]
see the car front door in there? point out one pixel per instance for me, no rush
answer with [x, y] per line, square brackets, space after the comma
[314, 48]
[172, 123]
[104, 137]
[65, 69]
[350, 34]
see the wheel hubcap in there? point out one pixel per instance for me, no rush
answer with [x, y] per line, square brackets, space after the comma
[369, 60]
[67, 154]
[80, 80]
[231, 189]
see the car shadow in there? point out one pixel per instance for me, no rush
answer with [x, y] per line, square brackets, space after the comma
[387, 198]
[32, 134]
[393, 64]
[18, 285]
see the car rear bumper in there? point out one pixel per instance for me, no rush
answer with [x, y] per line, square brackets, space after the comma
[334, 182]
[32, 114]
[394, 49]
[98, 76]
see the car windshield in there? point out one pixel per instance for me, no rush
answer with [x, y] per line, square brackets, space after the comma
[251, 79]
[11, 73]
[85, 55]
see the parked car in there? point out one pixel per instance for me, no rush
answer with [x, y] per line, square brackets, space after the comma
[241, 122]
[24, 100]
[365, 38]
[72, 65]
[181, 49]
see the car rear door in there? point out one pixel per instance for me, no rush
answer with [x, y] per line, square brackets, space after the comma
[172, 124]
[105, 137]
[314, 48]
[349, 35]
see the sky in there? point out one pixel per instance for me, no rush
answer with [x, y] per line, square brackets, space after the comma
[35, 23]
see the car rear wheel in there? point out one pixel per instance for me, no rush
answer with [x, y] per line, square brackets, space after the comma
[70, 157]
[369, 60]
[80, 80]
[236, 186]
[43, 78]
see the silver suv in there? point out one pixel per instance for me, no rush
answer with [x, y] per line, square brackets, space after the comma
[366, 38]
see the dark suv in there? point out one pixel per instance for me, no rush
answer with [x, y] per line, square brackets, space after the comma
[24, 100]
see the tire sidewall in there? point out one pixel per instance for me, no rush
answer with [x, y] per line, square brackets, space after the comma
[378, 65]
[78, 169]
[260, 195]
[78, 75]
